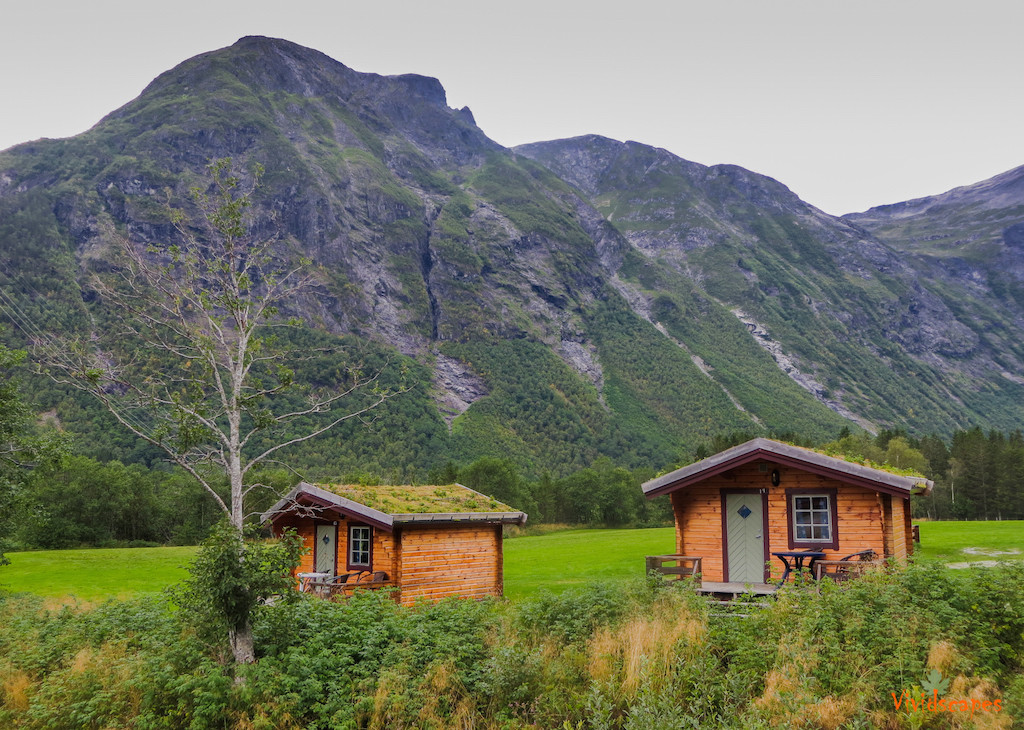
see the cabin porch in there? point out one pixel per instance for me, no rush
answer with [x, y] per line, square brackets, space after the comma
[344, 585]
[688, 567]
[683, 567]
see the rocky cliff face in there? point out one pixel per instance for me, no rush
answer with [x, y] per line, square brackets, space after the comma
[967, 245]
[810, 286]
[634, 302]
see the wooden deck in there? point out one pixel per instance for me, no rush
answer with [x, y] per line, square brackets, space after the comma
[735, 590]
[688, 567]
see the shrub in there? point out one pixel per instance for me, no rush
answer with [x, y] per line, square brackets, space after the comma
[602, 657]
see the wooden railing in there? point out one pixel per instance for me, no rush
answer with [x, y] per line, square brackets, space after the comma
[683, 566]
[345, 585]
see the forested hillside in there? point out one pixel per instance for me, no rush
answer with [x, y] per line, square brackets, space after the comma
[551, 305]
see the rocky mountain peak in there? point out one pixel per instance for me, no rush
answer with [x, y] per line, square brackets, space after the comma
[566, 299]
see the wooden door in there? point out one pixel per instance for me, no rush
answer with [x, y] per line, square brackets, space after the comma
[326, 549]
[744, 537]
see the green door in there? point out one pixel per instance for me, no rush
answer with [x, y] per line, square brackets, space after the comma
[326, 548]
[744, 543]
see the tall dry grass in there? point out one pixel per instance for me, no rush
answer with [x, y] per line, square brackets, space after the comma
[644, 648]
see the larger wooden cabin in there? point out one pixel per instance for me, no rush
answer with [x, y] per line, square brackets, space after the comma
[736, 508]
[428, 541]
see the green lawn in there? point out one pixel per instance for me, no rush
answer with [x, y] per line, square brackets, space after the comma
[946, 541]
[562, 559]
[95, 575]
[556, 560]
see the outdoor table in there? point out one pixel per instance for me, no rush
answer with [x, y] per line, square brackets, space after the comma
[798, 557]
[308, 579]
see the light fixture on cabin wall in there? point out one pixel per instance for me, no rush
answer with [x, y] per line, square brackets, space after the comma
[776, 478]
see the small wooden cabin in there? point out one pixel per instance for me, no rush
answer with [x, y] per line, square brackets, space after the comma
[736, 508]
[428, 541]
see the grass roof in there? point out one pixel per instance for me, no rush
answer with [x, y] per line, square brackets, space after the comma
[418, 499]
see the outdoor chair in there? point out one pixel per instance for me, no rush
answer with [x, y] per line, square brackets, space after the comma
[335, 585]
[851, 566]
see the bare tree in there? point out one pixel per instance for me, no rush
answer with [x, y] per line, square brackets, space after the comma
[202, 382]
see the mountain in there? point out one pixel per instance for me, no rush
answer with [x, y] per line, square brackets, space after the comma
[848, 311]
[552, 303]
[968, 244]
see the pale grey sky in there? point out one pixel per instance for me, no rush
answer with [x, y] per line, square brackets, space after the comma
[850, 104]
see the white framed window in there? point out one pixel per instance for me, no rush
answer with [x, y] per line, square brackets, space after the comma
[812, 518]
[360, 546]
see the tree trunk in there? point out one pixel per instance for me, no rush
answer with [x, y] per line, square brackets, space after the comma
[241, 643]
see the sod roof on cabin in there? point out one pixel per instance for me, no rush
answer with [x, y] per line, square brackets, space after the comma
[418, 499]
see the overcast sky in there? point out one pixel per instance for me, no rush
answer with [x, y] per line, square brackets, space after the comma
[851, 103]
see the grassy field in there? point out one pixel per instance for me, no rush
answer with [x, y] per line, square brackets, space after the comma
[91, 576]
[556, 560]
[960, 542]
[574, 557]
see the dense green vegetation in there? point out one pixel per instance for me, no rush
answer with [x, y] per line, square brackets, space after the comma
[24, 446]
[623, 655]
[735, 362]
[659, 398]
[978, 476]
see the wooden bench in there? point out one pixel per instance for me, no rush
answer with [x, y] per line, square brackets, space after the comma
[851, 566]
[686, 566]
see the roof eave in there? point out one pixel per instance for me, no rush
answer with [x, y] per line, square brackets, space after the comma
[309, 493]
[328, 500]
[757, 449]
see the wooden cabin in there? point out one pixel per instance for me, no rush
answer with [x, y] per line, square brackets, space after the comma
[735, 509]
[427, 541]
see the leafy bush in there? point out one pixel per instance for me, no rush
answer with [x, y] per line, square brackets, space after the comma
[596, 657]
[572, 615]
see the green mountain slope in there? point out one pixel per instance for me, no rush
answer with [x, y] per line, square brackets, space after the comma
[968, 244]
[848, 317]
[552, 304]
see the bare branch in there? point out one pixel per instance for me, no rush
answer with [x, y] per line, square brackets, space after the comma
[381, 397]
[201, 303]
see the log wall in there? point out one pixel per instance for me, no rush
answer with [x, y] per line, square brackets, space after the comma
[306, 531]
[860, 520]
[904, 531]
[429, 561]
[450, 560]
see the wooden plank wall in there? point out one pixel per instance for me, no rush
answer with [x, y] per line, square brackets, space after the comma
[450, 560]
[903, 532]
[698, 513]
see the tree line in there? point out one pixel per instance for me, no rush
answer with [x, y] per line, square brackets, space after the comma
[78, 501]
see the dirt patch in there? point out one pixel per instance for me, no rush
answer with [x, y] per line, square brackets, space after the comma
[975, 564]
[989, 551]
